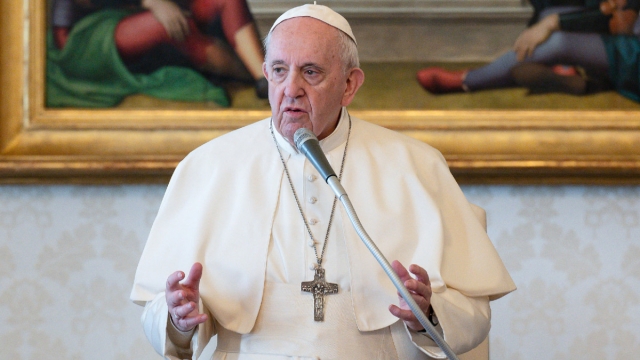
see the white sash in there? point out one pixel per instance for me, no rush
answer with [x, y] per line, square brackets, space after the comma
[285, 330]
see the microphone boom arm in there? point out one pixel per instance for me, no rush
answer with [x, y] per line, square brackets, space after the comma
[307, 142]
[339, 191]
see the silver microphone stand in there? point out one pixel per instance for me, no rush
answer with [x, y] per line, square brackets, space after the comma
[307, 142]
[339, 191]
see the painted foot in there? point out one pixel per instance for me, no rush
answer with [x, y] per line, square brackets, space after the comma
[566, 70]
[440, 81]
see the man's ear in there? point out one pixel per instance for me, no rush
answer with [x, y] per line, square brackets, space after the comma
[264, 70]
[354, 81]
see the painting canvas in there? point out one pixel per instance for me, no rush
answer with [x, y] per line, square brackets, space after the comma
[68, 119]
[124, 55]
[102, 53]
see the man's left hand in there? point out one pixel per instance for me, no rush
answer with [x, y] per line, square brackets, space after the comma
[420, 289]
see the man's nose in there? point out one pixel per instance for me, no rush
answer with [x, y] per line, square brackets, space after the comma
[294, 86]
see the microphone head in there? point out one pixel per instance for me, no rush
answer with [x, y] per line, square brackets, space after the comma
[308, 144]
[302, 135]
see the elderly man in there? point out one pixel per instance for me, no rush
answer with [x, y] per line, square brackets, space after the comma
[249, 219]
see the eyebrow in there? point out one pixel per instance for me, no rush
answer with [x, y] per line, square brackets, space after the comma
[308, 64]
[277, 62]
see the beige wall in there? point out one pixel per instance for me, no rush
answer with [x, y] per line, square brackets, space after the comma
[68, 254]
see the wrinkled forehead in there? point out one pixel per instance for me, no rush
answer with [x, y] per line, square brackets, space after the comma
[300, 43]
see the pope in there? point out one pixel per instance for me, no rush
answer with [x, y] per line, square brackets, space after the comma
[274, 269]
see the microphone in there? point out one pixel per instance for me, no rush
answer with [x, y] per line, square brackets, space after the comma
[307, 143]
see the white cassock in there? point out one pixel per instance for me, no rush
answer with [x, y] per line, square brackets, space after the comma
[230, 207]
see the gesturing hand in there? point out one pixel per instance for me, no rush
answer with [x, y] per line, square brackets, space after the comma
[527, 42]
[420, 289]
[170, 16]
[182, 299]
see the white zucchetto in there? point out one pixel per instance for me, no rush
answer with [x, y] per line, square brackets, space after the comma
[319, 12]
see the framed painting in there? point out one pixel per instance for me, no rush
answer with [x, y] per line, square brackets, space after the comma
[142, 139]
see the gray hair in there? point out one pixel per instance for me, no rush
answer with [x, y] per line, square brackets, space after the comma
[346, 46]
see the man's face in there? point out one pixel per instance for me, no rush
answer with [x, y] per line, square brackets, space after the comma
[307, 84]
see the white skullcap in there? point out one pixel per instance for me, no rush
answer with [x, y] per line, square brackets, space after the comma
[319, 12]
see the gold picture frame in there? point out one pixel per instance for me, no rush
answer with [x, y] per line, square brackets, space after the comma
[40, 145]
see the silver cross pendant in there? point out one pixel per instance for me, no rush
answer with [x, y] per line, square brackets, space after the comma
[319, 288]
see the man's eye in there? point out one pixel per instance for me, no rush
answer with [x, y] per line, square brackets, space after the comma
[310, 72]
[278, 70]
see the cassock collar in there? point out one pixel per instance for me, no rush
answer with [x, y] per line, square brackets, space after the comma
[335, 139]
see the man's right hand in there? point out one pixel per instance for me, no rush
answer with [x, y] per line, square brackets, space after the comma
[170, 16]
[183, 298]
[529, 39]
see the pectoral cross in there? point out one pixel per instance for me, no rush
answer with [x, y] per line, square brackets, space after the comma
[319, 288]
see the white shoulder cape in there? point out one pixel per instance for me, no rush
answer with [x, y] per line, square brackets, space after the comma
[219, 208]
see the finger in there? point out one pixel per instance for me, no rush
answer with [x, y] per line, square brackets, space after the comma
[405, 315]
[184, 310]
[416, 287]
[518, 49]
[420, 273]
[422, 302]
[176, 298]
[183, 23]
[176, 29]
[172, 30]
[517, 44]
[189, 323]
[169, 27]
[195, 274]
[423, 284]
[520, 54]
[401, 271]
[173, 281]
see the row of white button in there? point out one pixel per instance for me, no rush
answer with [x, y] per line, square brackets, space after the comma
[312, 221]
